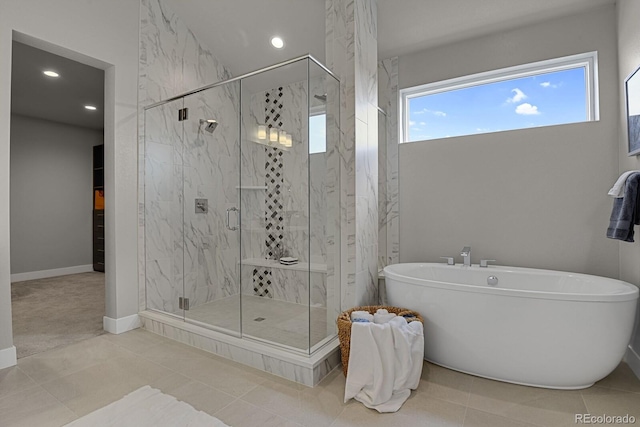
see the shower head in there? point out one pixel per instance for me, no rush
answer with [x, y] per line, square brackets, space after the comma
[211, 124]
[322, 97]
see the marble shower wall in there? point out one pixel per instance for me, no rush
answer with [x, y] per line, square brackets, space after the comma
[388, 228]
[351, 52]
[172, 61]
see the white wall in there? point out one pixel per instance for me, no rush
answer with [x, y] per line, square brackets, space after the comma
[628, 61]
[51, 194]
[530, 198]
[103, 34]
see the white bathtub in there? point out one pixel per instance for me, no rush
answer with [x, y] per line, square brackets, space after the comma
[535, 327]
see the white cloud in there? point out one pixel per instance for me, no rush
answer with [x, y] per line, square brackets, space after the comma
[435, 113]
[548, 84]
[411, 123]
[519, 96]
[527, 109]
[423, 123]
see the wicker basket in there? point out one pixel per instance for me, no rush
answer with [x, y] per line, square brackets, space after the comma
[344, 327]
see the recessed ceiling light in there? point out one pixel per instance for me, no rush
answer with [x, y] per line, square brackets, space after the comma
[277, 42]
[51, 73]
[90, 107]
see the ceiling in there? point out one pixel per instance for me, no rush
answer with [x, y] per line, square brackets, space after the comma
[60, 99]
[238, 32]
[240, 39]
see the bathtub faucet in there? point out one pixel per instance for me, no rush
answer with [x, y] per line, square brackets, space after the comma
[466, 253]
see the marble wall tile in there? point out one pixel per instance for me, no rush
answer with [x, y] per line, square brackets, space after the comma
[172, 61]
[352, 55]
[388, 162]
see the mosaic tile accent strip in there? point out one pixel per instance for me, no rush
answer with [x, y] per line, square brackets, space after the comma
[274, 181]
[262, 283]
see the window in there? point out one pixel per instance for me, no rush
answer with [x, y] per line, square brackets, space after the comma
[552, 92]
[317, 133]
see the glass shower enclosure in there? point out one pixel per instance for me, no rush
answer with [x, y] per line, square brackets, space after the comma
[241, 206]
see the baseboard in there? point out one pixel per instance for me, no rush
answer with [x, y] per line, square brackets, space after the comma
[8, 357]
[633, 360]
[44, 274]
[121, 325]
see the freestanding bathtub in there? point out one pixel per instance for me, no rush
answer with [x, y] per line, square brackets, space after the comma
[534, 327]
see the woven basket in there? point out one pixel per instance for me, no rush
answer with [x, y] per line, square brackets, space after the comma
[344, 327]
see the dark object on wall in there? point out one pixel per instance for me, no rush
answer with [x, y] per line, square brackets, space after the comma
[632, 91]
[98, 208]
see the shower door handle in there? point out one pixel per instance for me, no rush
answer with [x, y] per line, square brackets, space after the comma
[229, 227]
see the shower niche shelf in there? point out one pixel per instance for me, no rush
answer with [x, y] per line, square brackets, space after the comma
[272, 263]
[251, 187]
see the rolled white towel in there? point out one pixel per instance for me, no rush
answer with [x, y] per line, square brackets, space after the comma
[617, 190]
[361, 315]
[382, 311]
[383, 318]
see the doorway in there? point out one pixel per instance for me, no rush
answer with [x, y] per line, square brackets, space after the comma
[57, 122]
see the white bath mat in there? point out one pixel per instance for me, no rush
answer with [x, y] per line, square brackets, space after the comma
[147, 407]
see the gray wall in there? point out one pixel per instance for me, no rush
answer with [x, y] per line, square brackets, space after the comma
[529, 198]
[51, 194]
[628, 61]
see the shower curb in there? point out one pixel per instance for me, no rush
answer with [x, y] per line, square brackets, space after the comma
[306, 370]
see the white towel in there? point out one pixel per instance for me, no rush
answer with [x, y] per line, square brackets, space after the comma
[361, 315]
[382, 317]
[617, 190]
[385, 363]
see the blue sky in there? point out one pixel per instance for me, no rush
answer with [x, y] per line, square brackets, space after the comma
[541, 100]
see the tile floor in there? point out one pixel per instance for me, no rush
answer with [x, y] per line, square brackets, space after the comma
[57, 386]
[283, 322]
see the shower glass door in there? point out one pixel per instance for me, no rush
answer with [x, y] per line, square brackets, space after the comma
[163, 211]
[211, 171]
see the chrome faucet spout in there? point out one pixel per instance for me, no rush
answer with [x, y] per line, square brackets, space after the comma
[466, 254]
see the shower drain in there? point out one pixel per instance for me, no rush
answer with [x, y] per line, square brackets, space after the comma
[259, 319]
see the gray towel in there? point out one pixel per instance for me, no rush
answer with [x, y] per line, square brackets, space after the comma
[626, 211]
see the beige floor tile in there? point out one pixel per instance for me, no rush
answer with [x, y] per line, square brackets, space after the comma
[543, 407]
[137, 341]
[416, 411]
[475, 418]
[601, 400]
[63, 361]
[33, 407]
[307, 406]
[434, 412]
[243, 414]
[622, 378]
[13, 380]
[324, 402]
[174, 350]
[87, 390]
[445, 384]
[218, 374]
[200, 396]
